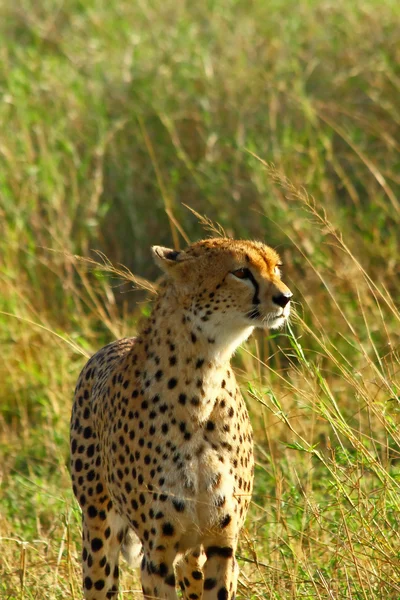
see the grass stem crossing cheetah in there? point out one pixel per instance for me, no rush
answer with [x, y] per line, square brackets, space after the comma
[161, 443]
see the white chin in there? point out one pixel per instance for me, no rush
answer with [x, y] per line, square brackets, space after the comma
[276, 323]
[271, 323]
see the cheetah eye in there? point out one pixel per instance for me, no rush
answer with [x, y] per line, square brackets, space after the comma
[242, 273]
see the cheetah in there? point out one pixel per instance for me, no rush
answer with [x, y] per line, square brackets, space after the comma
[161, 443]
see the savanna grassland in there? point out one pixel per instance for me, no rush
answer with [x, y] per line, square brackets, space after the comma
[279, 120]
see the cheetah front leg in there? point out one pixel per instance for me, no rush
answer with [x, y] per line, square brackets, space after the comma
[157, 575]
[189, 571]
[220, 571]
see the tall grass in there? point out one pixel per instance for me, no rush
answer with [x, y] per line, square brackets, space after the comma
[281, 121]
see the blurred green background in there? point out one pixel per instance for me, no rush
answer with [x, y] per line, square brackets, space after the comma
[114, 116]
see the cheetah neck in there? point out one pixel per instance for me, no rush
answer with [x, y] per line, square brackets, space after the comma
[175, 326]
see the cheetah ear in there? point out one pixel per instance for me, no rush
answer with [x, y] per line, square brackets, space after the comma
[167, 259]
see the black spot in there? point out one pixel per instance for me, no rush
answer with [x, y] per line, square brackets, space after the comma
[199, 363]
[222, 594]
[225, 521]
[179, 505]
[99, 584]
[88, 583]
[164, 428]
[159, 374]
[197, 575]
[90, 451]
[92, 512]
[167, 528]
[87, 432]
[194, 337]
[182, 398]
[113, 592]
[210, 426]
[172, 383]
[170, 580]
[78, 465]
[222, 551]
[96, 544]
[210, 583]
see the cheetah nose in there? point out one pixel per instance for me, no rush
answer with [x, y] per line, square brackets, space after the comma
[282, 299]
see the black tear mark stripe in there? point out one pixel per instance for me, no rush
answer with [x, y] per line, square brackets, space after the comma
[256, 299]
[254, 313]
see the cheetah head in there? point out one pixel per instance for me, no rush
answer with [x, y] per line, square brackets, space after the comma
[229, 284]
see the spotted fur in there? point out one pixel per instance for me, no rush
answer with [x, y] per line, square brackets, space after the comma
[161, 443]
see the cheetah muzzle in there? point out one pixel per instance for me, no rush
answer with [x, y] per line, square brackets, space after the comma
[161, 443]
